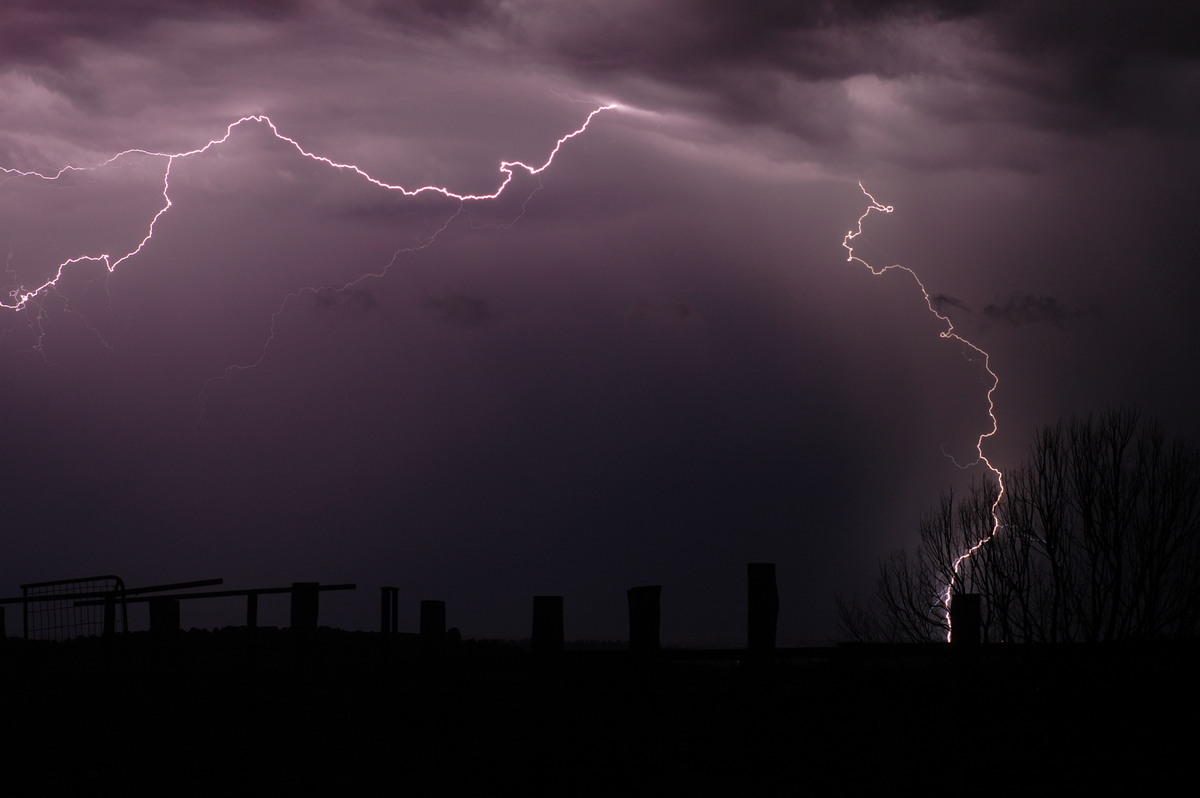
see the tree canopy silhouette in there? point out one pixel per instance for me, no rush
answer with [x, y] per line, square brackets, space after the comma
[1099, 541]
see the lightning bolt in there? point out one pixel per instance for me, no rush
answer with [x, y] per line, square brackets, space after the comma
[22, 297]
[952, 334]
[25, 297]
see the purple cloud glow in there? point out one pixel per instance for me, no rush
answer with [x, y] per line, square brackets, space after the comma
[647, 365]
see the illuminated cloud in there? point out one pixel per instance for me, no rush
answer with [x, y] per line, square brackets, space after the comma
[514, 408]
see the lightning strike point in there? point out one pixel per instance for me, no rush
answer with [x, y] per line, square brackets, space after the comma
[948, 333]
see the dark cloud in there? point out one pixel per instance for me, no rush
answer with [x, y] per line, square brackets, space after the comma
[1103, 33]
[462, 310]
[942, 303]
[1022, 309]
[1081, 66]
[448, 16]
[649, 364]
[32, 32]
[828, 77]
[1111, 63]
[693, 42]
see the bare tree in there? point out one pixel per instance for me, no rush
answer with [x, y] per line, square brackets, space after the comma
[1099, 540]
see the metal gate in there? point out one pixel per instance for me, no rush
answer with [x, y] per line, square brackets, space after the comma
[52, 610]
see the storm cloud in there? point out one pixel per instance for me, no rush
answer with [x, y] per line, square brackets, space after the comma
[648, 364]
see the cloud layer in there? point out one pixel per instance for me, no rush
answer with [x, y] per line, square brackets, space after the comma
[650, 364]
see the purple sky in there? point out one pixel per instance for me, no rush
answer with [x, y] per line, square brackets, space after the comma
[650, 366]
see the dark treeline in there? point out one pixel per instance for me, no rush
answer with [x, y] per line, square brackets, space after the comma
[1099, 541]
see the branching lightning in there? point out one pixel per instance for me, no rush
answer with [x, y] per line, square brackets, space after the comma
[950, 333]
[21, 297]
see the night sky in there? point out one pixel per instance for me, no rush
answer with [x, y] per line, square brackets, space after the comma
[650, 364]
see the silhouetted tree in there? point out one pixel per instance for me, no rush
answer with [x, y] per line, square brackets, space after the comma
[1100, 540]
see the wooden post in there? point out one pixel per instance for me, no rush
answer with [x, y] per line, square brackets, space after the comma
[304, 607]
[389, 605]
[547, 635]
[763, 600]
[644, 618]
[164, 617]
[251, 627]
[965, 619]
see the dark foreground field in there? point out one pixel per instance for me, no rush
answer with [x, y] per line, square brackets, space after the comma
[359, 714]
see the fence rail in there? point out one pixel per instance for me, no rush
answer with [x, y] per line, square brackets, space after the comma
[304, 602]
[62, 609]
[72, 607]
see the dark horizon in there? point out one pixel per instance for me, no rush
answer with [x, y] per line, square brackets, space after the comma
[649, 364]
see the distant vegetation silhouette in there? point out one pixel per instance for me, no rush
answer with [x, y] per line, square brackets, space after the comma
[1100, 542]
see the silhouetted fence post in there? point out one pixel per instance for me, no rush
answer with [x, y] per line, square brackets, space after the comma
[164, 616]
[547, 637]
[763, 601]
[389, 609]
[251, 627]
[433, 621]
[304, 607]
[966, 620]
[644, 618]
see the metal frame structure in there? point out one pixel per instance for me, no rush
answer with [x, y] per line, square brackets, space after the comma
[53, 611]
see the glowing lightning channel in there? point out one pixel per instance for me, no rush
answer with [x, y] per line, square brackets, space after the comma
[19, 298]
[951, 334]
